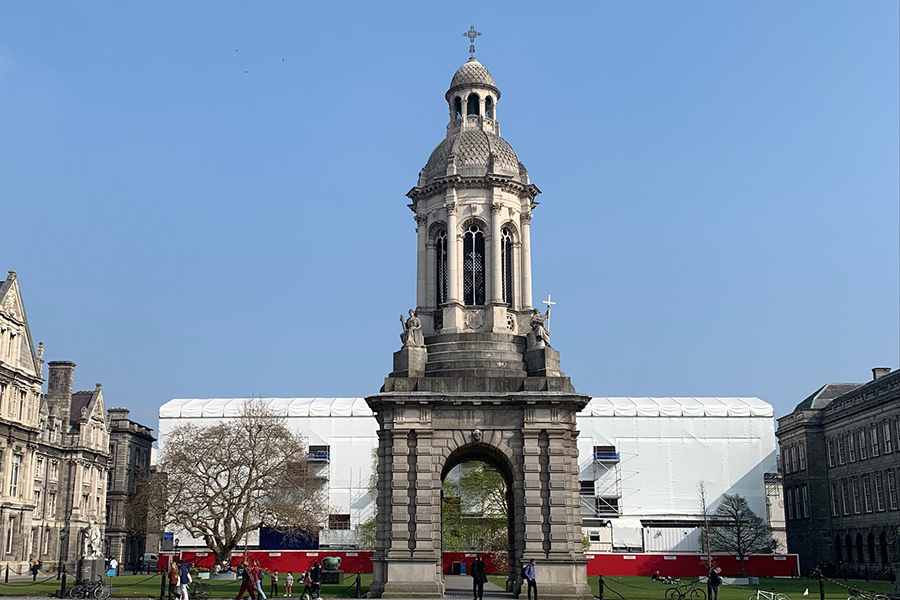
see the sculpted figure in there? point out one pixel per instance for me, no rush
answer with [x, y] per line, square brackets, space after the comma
[92, 541]
[539, 336]
[412, 335]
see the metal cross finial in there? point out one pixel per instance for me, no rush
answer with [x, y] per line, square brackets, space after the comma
[549, 304]
[472, 34]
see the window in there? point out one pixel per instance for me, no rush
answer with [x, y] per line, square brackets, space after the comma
[472, 105]
[801, 454]
[840, 449]
[489, 107]
[830, 453]
[793, 454]
[594, 536]
[835, 500]
[798, 512]
[862, 444]
[37, 503]
[2, 396]
[341, 522]
[886, 434]
[586, 487]
[857, 506]
[845, 504]
[473, 266]
[789, 505]
[804, 501]
[14, 475]
[879, 491]
[457, 108]
[506, 258]
[39, 467]
[10, 525]
[851, 447]
[440, 267]
[874, 440]
[84, 502]
[892, 490]
[51, 504]
[54, 470]
[20, 413]
[867, 493]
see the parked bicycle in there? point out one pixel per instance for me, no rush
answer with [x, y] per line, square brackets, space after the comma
[198, 589]
[90, 589]
[856, 594]
[685, 591]
[764, 595]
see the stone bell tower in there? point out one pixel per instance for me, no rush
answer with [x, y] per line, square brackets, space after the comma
[476, 378]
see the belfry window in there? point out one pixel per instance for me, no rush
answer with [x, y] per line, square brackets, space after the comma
[506, 260]
[489, 107]
[457, 108]
[440, 267]
[473, 266]
[472, 105]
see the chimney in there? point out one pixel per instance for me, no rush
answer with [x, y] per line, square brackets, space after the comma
[879, 372]
[59, 388]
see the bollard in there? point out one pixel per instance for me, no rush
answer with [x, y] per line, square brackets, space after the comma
[6, 575]
[601, 587]
[821, 587]
[62, 587]
[162, 586]
[358, 584]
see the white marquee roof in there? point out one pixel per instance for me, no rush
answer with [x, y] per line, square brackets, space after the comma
[357, 407]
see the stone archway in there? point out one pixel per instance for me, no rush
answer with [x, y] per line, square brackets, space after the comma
[531, 435]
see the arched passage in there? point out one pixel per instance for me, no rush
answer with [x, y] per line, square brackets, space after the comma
[478, 516]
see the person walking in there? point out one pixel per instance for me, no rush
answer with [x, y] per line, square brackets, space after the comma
[479, 578]
[529, 575]
[315, 575]
[247, 583]
[184, 578]
[257, 574]
[273, 588]
[307, 586]
[288, 584]
[715, 580]
[174, 577]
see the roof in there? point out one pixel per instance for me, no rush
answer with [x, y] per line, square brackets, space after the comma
[288, 407]
[476, 153]
[825, 394]
[357, 407]
[677, 407]
[473, 73]
[80, 401]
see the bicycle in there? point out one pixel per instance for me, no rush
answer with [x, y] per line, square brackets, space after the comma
[684, 591]
[763, 595]
[857, 594]
[199, 590]
[90, 589]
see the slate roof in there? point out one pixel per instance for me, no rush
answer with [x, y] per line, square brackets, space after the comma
[79, 400]
[825, 394]
[472, 73]
[473, 149]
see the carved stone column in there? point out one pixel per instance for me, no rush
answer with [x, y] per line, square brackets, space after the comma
[452, 248]
[526, 259]
[496, 258]
[421, 261]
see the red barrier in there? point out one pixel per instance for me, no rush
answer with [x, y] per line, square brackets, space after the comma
[641, 565]
[689, 565]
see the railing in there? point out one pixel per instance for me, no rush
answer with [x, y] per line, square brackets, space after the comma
[606, 457]
[592, 506]
[318, 456]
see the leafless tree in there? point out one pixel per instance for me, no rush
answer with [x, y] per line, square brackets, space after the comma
[738, 530]
[223, 481]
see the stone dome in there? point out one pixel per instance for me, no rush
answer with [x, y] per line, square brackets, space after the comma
[473, 150]
[473, 73]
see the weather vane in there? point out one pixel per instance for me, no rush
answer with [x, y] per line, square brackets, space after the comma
[472, 34]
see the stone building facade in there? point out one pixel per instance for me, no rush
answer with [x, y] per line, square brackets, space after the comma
[54, 448]
[126, 523]
[841, 463]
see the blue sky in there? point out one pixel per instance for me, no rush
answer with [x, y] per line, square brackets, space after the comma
[207, 199]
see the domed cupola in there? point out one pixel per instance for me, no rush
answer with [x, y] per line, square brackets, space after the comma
[473, 73]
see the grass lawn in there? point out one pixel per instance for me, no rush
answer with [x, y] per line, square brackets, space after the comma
[631, 588]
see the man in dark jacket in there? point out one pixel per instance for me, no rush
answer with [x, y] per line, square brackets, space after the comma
[479, 577]
[315, 576]
[715, 580]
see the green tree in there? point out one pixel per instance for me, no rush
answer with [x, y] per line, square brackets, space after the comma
[474, 510]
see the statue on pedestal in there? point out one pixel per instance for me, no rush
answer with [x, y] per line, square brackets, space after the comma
[92, 541]
[539, 337]
[412, 335]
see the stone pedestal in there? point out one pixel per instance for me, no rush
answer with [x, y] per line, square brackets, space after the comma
[90, 569]
[410, 362]
[543, 362]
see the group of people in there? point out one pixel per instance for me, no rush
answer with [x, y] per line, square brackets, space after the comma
[179, 579]
[252, 577]
[479, 578]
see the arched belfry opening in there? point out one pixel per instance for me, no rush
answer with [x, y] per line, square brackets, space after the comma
[477, 385]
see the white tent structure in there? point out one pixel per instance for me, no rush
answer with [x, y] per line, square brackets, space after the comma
[641, 460]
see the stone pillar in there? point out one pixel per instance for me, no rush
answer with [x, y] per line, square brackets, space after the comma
[430, 274]
[421, 260]
[496, 241]
[517, 275]
[526, 260]
[452, 248]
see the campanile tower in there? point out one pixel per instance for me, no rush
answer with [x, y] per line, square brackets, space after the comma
[476, 377]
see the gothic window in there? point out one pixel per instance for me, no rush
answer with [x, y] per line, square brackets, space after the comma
[472, 105]
[489, 107]
[440, 267]
[506, 257]
[457, 108]
[473, 266]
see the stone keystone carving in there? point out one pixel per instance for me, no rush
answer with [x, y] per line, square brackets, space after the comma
[476, 436]
[412, 335]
